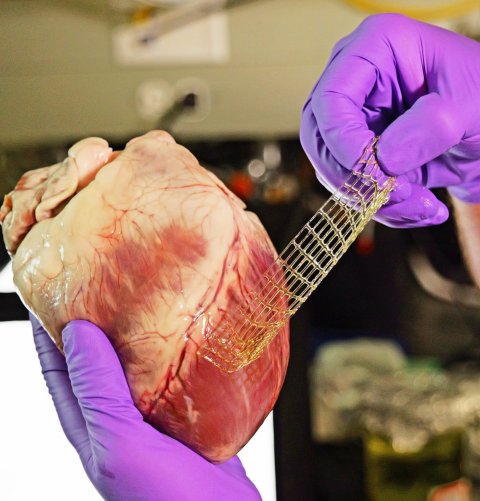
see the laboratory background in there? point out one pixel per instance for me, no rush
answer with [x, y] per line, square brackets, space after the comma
[381, 400]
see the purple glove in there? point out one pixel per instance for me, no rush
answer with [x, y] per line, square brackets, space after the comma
[124, 457]
[415, 85]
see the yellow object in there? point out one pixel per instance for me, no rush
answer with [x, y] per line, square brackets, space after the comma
[410, 476]
[143, 14]
[423, 10]
[243, 335]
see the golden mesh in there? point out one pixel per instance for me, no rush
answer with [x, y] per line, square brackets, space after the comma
[242, 336]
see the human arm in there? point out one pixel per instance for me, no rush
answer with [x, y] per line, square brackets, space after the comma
[416, 86]
[124, 457]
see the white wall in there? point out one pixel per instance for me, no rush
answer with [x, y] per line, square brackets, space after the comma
[58, 79]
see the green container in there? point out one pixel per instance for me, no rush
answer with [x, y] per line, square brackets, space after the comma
[410, 476]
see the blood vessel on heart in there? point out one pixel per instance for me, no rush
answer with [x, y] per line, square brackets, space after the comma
[156, 251]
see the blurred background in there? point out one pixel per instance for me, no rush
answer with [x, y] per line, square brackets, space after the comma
[382, 397]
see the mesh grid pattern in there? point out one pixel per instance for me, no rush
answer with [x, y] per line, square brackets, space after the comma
[244, 334]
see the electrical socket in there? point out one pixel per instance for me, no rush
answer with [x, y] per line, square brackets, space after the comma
[198, 87]
[153, 98]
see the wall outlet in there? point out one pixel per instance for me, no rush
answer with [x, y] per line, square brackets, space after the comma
[197, 93]
[153, 98]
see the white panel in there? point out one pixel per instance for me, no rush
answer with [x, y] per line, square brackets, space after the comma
[6, 279]
[36, 460]
[258, 458]
[200, 42]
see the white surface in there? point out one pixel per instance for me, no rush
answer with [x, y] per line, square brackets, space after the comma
[153, 98]
[258, 458]
[36, 461]
[203, 41]
[6, 279]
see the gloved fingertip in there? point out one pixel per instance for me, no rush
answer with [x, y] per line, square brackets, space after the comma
[37, 327]
[428, 218]
[440, 217]
[433, 209]
[423, 205]
[33, 320]
[442, 214]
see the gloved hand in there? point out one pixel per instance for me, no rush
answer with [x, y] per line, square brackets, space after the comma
[417, 87]
[124, 457]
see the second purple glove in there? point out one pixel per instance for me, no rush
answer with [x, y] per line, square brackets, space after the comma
[416, 86]
[124, 457]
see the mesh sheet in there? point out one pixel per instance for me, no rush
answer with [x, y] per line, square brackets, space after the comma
[244, 334]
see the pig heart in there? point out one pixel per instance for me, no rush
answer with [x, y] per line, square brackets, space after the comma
[157, 252]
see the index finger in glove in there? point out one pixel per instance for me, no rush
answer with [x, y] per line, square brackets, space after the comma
[335, 109]
[335, 106]
[49, 355]
[378, 71]
[55, 373]
[329, 171]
